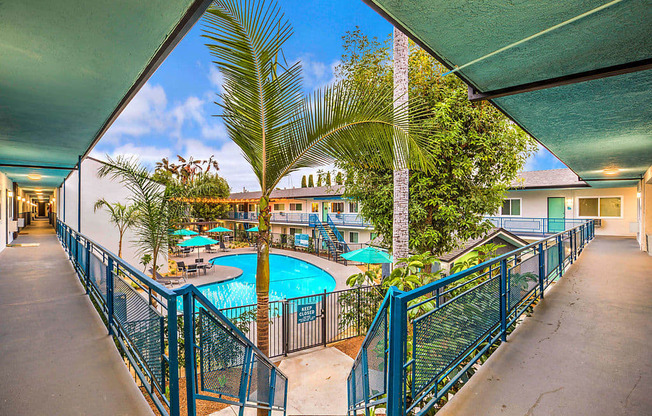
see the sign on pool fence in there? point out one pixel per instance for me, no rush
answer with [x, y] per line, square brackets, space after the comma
[306, 313]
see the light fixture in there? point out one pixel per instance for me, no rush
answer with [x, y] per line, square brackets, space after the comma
[638, 194]
[610, 171]
[34, 176]
[10, 194]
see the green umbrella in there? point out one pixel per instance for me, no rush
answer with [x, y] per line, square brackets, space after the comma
[252, 229]
[368, 255]
[219, 230]
[184, 232]
[199, 241]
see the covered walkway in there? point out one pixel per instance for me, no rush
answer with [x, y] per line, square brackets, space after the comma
[55, 355]
[586, 350]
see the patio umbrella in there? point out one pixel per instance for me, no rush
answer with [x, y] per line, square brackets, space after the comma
[368, 255]
[252, 229]
[184, 232]
[219, 230]
[199, 241]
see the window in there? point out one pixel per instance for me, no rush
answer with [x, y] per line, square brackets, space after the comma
[600, 207]
[279, 207]
[337, 207]
[296, 207]
[241, 207]
[353, 237]
[315, 207]
[353, 207]
[511, 207]
[294, 231]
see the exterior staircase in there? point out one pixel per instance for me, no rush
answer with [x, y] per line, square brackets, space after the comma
[330, 235]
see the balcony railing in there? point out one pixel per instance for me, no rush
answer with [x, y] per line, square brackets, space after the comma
[341, 220]
[423, 342]
[535, 226]
[152, 333]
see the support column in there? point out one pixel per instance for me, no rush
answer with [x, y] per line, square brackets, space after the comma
[79, 194]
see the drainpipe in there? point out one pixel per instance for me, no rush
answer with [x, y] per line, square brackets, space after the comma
[79, 194]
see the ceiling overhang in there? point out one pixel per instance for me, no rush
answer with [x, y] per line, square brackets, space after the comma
[69, 67]
[574, 75]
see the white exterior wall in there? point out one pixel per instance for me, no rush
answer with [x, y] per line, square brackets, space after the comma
[97, 225]
[534, 204]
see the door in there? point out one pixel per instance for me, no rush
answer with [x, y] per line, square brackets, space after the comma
[324, 211]
[556, 214]
[41, 209]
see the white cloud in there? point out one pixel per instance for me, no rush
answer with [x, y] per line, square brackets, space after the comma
[316, 74]
[215, 77]
[149, 155]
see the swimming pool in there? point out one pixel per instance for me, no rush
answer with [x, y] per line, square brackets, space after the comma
[289, 278]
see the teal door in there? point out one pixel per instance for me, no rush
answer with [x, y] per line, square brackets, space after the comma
[556, 214]
[324, 211]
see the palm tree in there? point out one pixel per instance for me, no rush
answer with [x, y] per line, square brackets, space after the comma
[278, 129]
[156, 207]
[123, 216]
[400, 228]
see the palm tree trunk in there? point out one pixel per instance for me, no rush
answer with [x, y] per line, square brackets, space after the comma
[120, 245]
[262, 275]
[400, 230]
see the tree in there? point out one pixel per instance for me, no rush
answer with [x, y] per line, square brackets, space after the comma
[311, 182]
[338, 179]
[155, 204]
[400, 220]
[303, 182]
[328, 178]
[478, 152]
[320, 176]
[278, 129]
[123, 216]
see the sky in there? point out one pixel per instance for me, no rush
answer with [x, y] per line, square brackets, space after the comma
[175, 114]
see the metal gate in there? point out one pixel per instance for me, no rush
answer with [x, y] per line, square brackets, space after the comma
[304, 324]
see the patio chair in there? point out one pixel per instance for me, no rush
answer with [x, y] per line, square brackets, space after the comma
[186, 251]
[222, 246]
[181, 266]
[165, 280]
[192, 268]
[210, 249]
[200, 260]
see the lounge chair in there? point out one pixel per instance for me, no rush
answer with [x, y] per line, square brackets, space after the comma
[167, 281]
[210, 249]
[222, 246]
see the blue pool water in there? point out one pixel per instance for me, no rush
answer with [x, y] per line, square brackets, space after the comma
[289, 278]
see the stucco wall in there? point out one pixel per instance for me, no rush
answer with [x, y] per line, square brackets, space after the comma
[97, 225]
[535, 204]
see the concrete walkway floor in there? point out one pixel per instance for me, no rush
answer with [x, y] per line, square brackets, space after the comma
[586, 350]
[55, 355]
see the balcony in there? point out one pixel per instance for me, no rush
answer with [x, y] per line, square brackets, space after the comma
[537, 227]
[339, 220]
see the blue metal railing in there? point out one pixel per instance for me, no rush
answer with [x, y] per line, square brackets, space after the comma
[142, 315]
[342, 220]
[350, 220]
[342, 243]
[451, 323]
[535, 226]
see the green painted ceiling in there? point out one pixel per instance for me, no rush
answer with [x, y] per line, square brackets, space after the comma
[67, 66]
[590, 125]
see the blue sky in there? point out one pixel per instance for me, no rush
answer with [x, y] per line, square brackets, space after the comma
[174, 112]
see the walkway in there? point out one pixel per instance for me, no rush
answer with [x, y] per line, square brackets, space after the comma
[586, 350]
[55, 355]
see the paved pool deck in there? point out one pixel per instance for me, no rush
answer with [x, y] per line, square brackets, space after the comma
[55, 355]
[586, 349]
[339, 271]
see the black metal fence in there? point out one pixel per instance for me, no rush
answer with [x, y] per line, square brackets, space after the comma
[308, 321]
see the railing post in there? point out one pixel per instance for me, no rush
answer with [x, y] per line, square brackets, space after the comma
[244, 379]
[173, 355]
[323, 318]
[272, 390]
[503, 300]
[365, 381]
[397, 340]
[87, 269]
[542, 268]
[560, 251]
[189, 348]
[571, 236]
[286, 326]
[109, 294]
